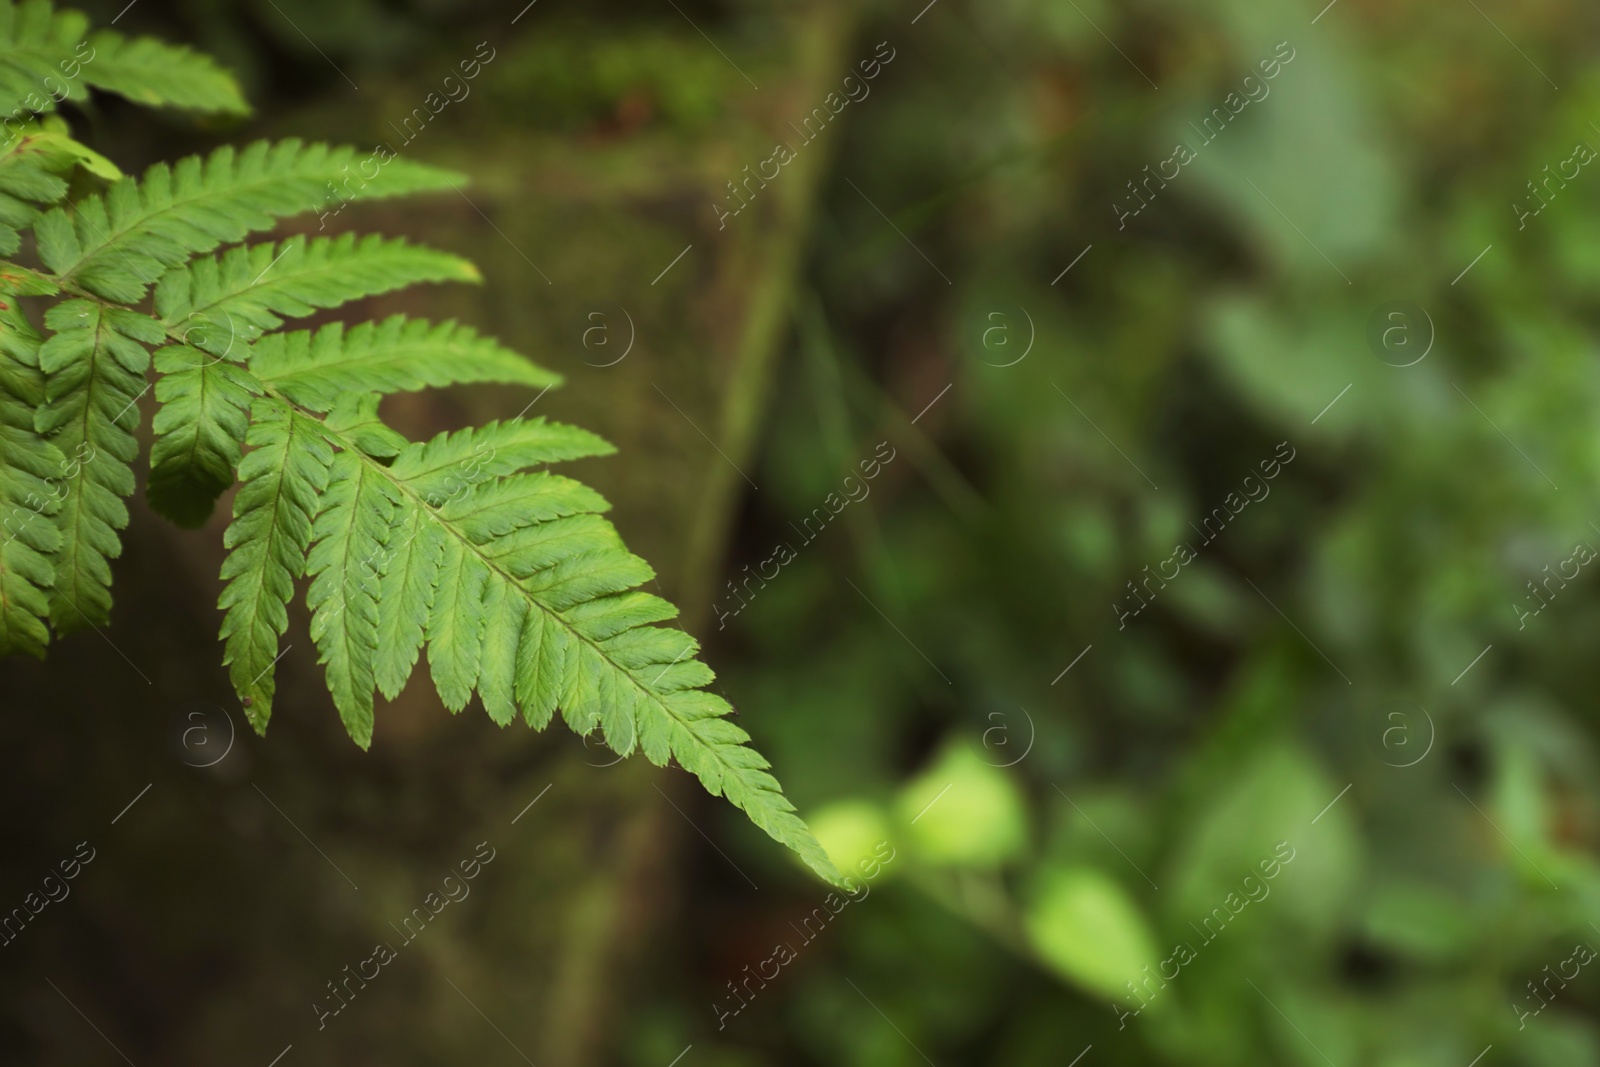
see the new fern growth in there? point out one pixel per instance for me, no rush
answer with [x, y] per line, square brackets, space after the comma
[466, 545]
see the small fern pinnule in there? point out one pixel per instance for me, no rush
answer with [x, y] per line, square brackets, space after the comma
[466, 547]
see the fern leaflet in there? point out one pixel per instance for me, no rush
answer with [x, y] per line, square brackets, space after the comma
[117, 244]
[96, 367]
[281, 481]
[45, 58]
[28, 537]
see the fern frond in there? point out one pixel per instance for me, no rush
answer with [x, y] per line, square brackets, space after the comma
[351, 535]
[393, 356]
[45, 57]
[37, 155]
[281, 480]
[442, 467]
[148, 71]
[201, 425]
[95, 365]
[117, 244]
[35, 159]
[408, 584]
[237, 297]
[525, 595]
[456, 622]
[200, 431]
[219, 305]
[28, 493]
[38, 43]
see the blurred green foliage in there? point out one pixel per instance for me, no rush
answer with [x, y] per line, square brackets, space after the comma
[1317, 643]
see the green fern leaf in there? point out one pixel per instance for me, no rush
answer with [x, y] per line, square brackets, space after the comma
[407, 586]
[452, 462]
[96, 365]
[28, 172]
[148, 71]
[200, 429]
[281, 480]
[351, 536]
[356, 417]
[397, 355]
[35, 158]
[220, 305]
[198, 442]
[495, 508]
[534, 605]
[235, 298]
[45, 57]
[37, 43]
[37, 155]
[118, 244]
[29, 493]
[455, 625]
[20, 281]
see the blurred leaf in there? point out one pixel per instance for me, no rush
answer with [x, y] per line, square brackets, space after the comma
[1087, 928]
[962, 811]
[850, 831]
[1272, 798]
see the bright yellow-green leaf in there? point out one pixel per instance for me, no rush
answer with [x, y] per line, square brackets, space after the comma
[850, 831]
[963, 811]
[1089, 930]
